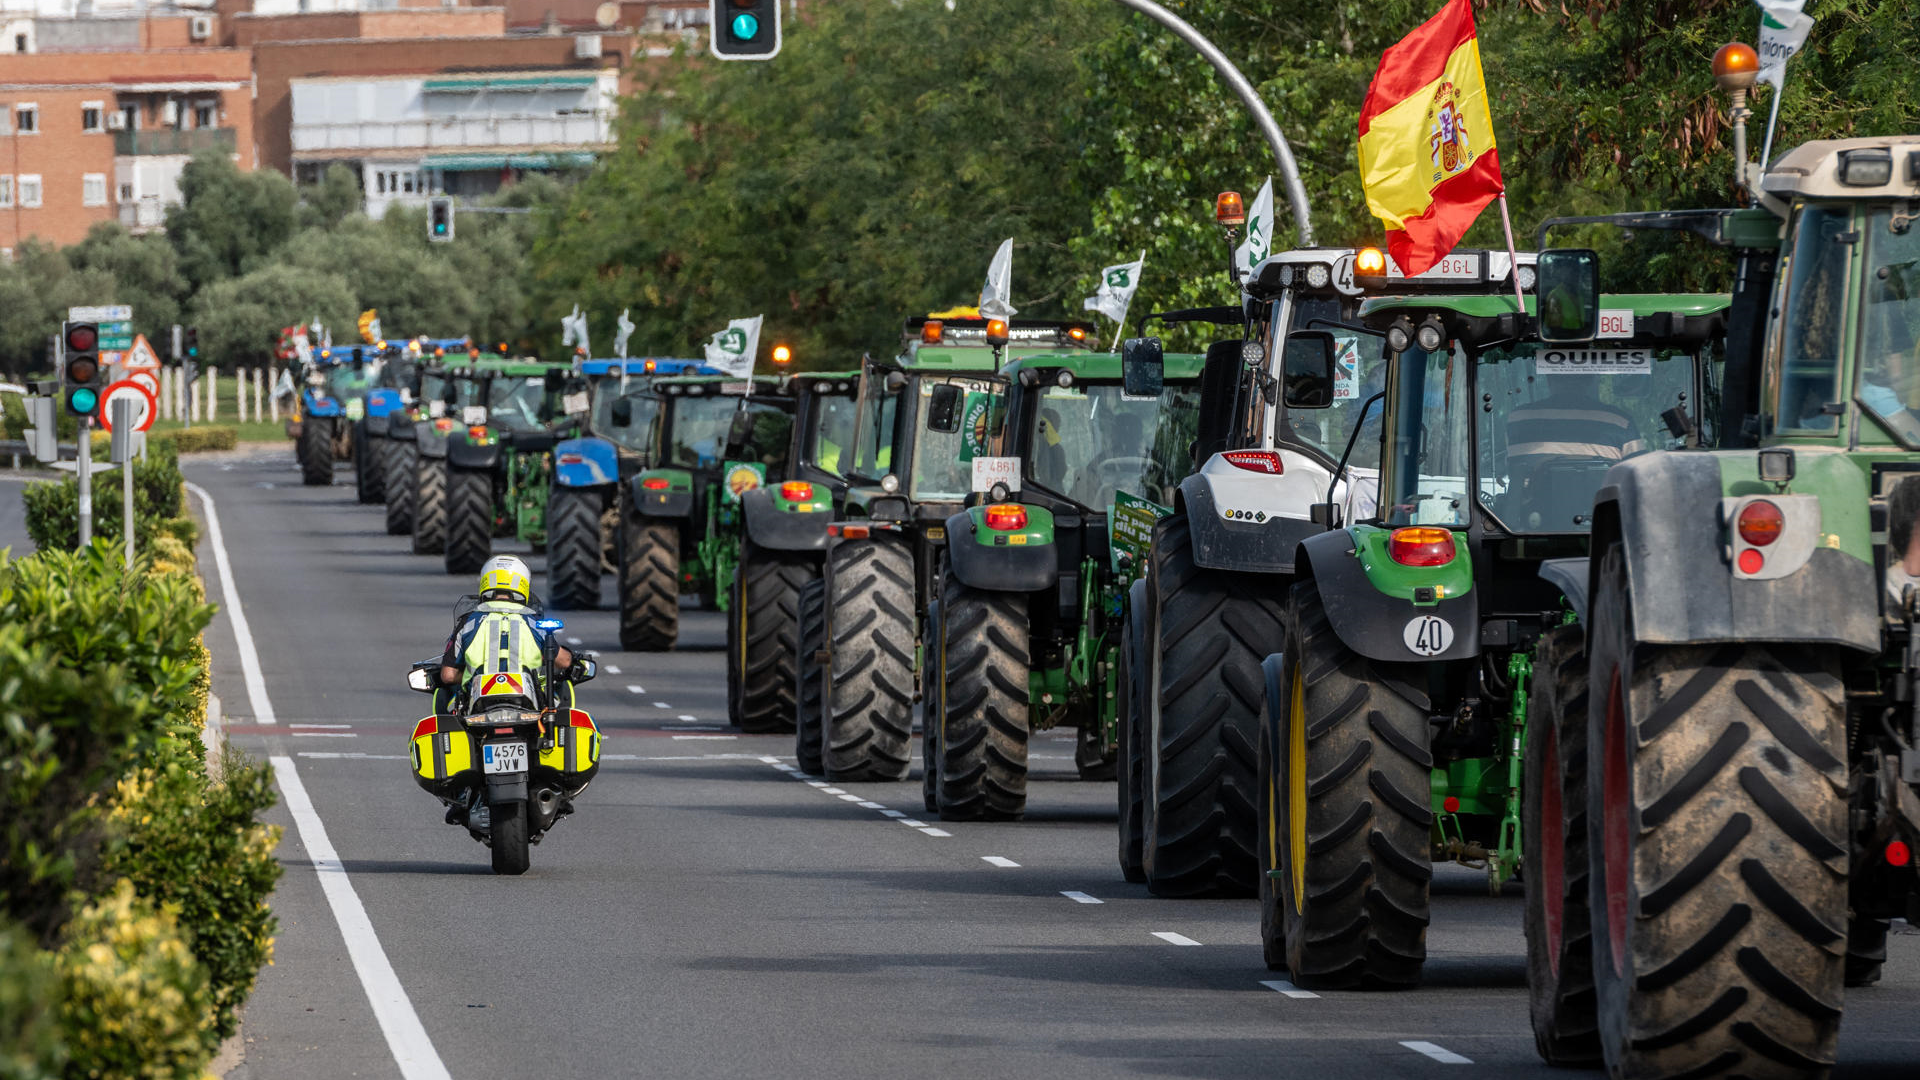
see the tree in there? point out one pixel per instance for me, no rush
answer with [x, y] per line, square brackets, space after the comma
[327, 203]
[240, 318]
[228, 222]
[146, 275]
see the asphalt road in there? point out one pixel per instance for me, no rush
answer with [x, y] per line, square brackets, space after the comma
[706, 913]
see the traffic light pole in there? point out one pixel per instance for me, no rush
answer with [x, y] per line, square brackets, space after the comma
[1282, 152]
[84, 468]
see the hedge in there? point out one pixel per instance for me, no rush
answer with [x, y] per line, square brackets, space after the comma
[183, 440]
[159, 502]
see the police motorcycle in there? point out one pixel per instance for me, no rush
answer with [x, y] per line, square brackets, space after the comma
[505, 759]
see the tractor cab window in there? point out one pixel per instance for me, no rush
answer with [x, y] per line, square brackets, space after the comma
[698, 434]
[1360, 371]
[432, 386]
[1812, 316]
[348, 380]
[874, 456]
[1090, 441]
[637, 435]
[1889, 381]
[513, 404]
[831, 446]
[769, 438]
[1425, 471]
[1553, 420]
[943, 461]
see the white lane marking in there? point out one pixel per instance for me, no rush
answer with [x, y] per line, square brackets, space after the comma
[1282, 986]
[1172, 938]
[894, 813]
[1081, 898]
[661, 705]
[685, 737]
[931, 831]
[406, 1038]
[912, 824]
[329, 754]
[868, 804]
[323, 735]
[683, 717]
[846, 796]
[610, 669]
[635, 689]
[831, 791]
[691, 727]
[1437, 1052]
[851, 798]
[998, 860]
[298, 726]
[242, 635]
[573, 641]
[816, 783]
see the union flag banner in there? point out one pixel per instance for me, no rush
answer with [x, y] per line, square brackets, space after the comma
[1427, 158]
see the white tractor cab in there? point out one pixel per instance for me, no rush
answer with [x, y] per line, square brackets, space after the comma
[1221, 562]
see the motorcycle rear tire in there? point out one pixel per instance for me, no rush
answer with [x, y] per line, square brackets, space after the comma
[511, 853]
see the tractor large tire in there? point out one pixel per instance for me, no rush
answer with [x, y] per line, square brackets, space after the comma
[573, 547]
[1213, 629]
[768, 626]
[369, 466]
[933, 706]
[809, 676]
[1866, 950]
[469, 520]
[315, 451]
[403, 461]
[1553, 823]
[1349, 786]
[984, 721]
[429, 504]
[507, 838]
[649, 581]
[871, 625]
[1716, 822]
[1132, 739]
[1273, 908]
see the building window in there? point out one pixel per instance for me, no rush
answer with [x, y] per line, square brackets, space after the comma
[203, 114]
[90, 113]
[26, 119]
[406, 182]
[93, 189]
[19, 43]
[30, 189]
[132, 114]
[6, 190]
[126, 192]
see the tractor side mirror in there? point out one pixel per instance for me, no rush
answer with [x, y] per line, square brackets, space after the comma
[739, 433]
[1307, 366]
[556, 381]
[1143, 367]
[623, 412]
[1567, 285]
[450, 392]
[943, 409]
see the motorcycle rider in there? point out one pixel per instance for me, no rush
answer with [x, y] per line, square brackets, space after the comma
[501, 633]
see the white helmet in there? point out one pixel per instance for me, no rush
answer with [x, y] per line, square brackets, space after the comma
[506, 578]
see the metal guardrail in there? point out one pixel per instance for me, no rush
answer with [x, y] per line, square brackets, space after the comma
[19, 448]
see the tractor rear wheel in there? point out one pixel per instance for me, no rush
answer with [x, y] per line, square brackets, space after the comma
[768, 625]
[403, 461]
[469, 520]
[872, 620]
[1716, 827]
[649, 581]
[1866, 950]
[933, 706]
[809, 675]
[573, 547]
[1132, 774]
[1553, 823]
[369, 465]
[429, 504]
[315, 451]
[984, 719]
[1212, 630]
[1349, 791]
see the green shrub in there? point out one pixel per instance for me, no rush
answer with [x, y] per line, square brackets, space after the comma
[53, 507]
[134, 1002]
[197, 847]
[29, 1006]
[200, 439]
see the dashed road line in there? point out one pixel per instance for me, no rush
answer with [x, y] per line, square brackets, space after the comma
[323, 734]
[1172, 938]
[661, 705]
[297, 727]
[329, 755]
[681, 738]
[998, 860]
[610, 669]
[635, 688]
[685, 717]
[573, 641]
[1282, 986]
[1435, 1051]
[843, 795]
[1081, 898]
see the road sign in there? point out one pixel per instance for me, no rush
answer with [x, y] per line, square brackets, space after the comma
[146, 405]
[139, 354]
[147, 379]
[116, 334]
[109, 313]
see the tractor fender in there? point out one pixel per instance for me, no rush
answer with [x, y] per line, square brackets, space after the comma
[784, 526]
[1380, 626]
[466, 454]
[585, 463]
[314, 405]
[990, 559]
[1252, 522]
[1665, 509]
[382, 401]
[674, 501]
[1570, 577]
[433, 443]
[400, 426]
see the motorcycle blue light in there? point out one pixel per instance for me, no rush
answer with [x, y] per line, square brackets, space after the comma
[549, 624]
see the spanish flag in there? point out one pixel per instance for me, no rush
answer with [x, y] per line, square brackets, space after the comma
[1427, 158]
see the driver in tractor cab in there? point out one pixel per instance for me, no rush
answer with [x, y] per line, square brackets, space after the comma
[500, 635]
[1570, 424]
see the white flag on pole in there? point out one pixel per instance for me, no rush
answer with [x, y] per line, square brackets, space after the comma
[623, 329]
[1117, 286]
[573, 331]
[997, 294]
[732, 350]
[1259, 242]
[1783, 29]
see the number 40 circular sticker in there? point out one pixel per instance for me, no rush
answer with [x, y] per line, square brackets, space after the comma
[1429, 635]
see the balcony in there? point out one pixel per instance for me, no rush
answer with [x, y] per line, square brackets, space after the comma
[584, 129]
[169, 141]
[143, 215]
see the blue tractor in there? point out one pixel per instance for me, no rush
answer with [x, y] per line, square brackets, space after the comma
[334, 385]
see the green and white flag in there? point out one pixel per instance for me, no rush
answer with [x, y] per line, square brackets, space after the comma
[623, 329]
[997, 294]
[1117, 286]
[1259, 242]
[1783, 29]
[732, 350]
[573, 331]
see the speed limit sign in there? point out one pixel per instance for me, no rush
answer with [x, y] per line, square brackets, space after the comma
[145, 408]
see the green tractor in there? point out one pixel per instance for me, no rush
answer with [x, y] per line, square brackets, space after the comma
[1748, 756]
[781, 551]
[499, 462]
[714, 438]
[1421, 625]
[450, 394]
[1025, 635]
[883, 558]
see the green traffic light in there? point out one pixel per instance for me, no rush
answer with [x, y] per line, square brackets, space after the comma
[746, 26]
[83, 400]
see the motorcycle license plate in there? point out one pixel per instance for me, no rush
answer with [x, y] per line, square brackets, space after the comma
[503, 757]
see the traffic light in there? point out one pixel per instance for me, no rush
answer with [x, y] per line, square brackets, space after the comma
[745, 29]
[192, 336]
[80, 374]
[440, 219]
